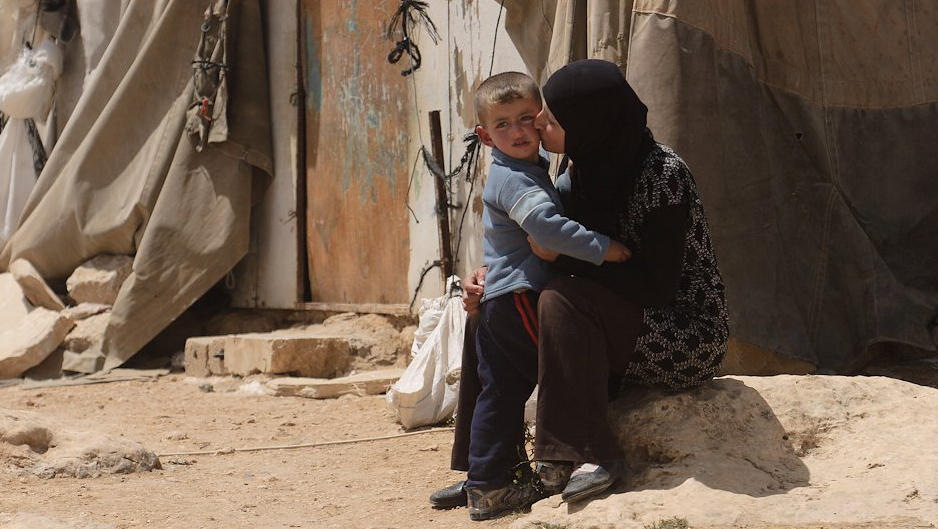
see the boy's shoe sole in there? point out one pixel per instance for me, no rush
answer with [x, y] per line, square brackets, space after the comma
[450, 497]
[488, 504]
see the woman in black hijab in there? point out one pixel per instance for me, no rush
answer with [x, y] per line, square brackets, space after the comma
[657, 320]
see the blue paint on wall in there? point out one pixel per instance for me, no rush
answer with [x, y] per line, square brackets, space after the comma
[313, 70]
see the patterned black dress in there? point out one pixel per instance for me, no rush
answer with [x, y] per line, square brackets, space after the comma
[682, 344]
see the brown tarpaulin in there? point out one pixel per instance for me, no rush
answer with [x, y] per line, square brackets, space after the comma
[125, 177]
[811, 127]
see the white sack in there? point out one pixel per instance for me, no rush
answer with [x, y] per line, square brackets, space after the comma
[26, 87]
[17, 176]
[422, 396]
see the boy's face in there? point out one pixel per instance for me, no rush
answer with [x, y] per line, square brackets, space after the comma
[510, 127]
[552, 134]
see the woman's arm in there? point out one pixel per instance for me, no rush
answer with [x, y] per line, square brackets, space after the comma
[651, 278]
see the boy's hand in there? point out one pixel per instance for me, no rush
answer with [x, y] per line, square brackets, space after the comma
[473, 286]
[542, 252]
[617, 252]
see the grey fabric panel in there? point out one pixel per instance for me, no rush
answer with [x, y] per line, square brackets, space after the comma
[821, 216]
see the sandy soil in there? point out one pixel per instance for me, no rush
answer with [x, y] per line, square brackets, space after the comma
[376, 484]
[369, 485]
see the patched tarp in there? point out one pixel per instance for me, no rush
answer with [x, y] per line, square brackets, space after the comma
[811, 127]
[125, 176]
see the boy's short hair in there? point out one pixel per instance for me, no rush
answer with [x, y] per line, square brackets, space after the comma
[504, 88]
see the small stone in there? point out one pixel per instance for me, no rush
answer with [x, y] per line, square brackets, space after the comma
[13, 303]
[85, 310]
[100, 279]
[176, 436]
[34, 339]
[207, 387]
[87, 332]
[34, 286]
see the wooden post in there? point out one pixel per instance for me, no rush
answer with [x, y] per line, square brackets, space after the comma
[442, 204]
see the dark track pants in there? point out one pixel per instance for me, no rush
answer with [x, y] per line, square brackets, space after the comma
[506, 345]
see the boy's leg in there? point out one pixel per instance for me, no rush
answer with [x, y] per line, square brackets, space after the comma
[506, 346]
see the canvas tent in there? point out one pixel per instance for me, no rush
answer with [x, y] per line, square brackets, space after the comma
[808, 125]
[125, 176]
[811, 128]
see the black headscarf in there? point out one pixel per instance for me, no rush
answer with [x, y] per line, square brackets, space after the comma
[606, 137]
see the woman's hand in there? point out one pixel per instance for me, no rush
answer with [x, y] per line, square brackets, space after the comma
[473, 286]
[542, 252]
[617, 252]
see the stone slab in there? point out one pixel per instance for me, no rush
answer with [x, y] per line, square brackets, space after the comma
[205, 356]
[35, 338]
[13, 303]
[87, 332]
[100, 279]
[361, 384]
[85, 310]
[291, 351]
[34, 286]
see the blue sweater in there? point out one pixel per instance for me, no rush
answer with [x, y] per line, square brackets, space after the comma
[520, 200]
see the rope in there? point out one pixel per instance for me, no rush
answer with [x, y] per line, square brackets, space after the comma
[409, 14]
[302, 445]
[495, 38]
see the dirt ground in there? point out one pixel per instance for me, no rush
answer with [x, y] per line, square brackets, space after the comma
[375, 484]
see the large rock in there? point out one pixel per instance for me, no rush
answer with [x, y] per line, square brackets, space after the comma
[37, 335]
[87, 332]
[100, 279]
[289, 351]
[779, 451]
[47, 449]
[34, 286]
[13, 304]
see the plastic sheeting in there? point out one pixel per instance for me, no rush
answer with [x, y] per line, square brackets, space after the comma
[125, 178]
[810, 126]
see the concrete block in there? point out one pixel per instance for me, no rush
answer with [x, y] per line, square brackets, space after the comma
[13, 304]
[289, 351]
[36, 337]
[205, 356]
[367, 383]
[87, 332]
[100, 279]
[34, 286]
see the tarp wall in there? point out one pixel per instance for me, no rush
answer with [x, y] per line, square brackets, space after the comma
[811, 128]
[125, 177]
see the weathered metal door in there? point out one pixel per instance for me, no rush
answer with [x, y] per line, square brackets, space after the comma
[357, 163]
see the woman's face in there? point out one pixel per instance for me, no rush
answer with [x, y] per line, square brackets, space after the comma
[553, 138]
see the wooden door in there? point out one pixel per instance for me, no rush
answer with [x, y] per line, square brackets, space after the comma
[357, 163]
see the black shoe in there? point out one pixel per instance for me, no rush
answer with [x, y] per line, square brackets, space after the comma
[487, 504]
[588, 480]
[449, 497]
[553, 476]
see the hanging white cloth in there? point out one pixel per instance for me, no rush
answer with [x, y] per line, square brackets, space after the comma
[17, 175]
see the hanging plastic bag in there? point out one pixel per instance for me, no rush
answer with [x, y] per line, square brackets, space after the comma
[26, 87]
[17, 176]
[427, 391]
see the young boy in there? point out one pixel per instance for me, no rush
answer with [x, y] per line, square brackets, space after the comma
[520, 201]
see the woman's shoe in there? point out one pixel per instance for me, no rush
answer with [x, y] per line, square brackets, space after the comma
[487, 504]
[588, 480]
[449, 497]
